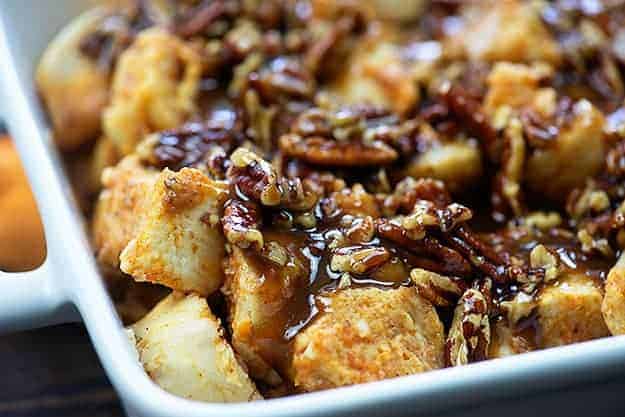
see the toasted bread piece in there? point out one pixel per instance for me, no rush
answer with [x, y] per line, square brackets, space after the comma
[375, 74]
[366, 335]
[517, 86]
[179, 243]
[120, 208]
[74, 88]
[458, 164]
[253, 301]
[550, 171]
[509, 30]
[154, 88]
[569, 311]
[182, 347]
[504, 342]
[613, 305]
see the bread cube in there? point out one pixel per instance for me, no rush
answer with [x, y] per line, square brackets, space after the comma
[179, 243]
[182, 348]
[457, 164]
[569, 311]
[517, 86]
[376, 75]
[120, 208]
[509, 30]
[550, 170]
[254, 300]
[368, 334]
[504, 342]
[154, 88]
[613, 305]
[74, 88]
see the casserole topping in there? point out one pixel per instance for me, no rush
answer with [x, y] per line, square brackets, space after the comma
[335, 192]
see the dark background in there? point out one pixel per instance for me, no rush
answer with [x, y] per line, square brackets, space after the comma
[53, 372]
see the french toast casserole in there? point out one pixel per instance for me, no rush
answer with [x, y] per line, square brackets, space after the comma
[293, 195]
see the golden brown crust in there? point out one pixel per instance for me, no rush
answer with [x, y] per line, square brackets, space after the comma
[509, 30]
[74, 89]
[154, 88]
[458, 164]
[368, 335]
[570, 311]
[613, 305]
[120, 208]
[253, 302]
[179, 243]
[182, 347]
[550, 170]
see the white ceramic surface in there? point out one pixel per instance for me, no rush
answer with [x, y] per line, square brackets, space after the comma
[68, 286]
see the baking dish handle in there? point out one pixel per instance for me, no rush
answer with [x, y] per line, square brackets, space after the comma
[30, 299]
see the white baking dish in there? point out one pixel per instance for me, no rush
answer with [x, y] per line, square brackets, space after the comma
[68, 287]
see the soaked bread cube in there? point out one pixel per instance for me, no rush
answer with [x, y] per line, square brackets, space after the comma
[179, 243]
[551, 171]
[120, 208]
[613, 305]
[182, 348]
[457, 164]
[254, 299]
[366, 335]
[517, 86]
[570, 311]
[504, 342]
[154, 88]
[509, 30]
[376, 75]
[74, 88]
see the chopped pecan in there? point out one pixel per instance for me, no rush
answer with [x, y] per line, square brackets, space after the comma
[275, 253]
[359, 259]
[338, 138]
[508, 194]
[321, 51]
[285, 78]
[409, 190]
[198, 144]
[241, 223]
[440, 290]
[542, 257]
[361, 230]
[469, 111]
[254, 178]
[425, 214]
[197, 20]
[615, 160]
[519, 307]
[114, 34]
[469, 334]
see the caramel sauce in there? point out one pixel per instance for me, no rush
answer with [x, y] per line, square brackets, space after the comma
[300, 288]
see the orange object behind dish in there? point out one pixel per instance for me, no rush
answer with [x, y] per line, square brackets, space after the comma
[22, 243]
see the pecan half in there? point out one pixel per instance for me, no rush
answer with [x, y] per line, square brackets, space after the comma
[328, 152]
[197, 144]
[440, 290]
[469, 334]
[432, 255]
